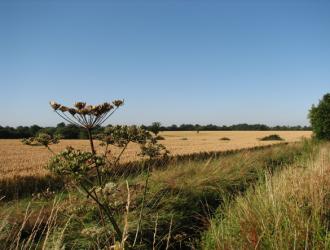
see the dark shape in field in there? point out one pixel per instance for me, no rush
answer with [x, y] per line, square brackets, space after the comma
[273, 137]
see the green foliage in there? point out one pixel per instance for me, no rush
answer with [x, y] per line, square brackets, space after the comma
[122, 135]
[319, 117]
[75, 163]
[155, 127]
[70, 131]
[42, 139]
[152, 149]
[273, 137]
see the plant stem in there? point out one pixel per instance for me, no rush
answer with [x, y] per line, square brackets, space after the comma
[89, 131]
[107, 211]
[120, 154]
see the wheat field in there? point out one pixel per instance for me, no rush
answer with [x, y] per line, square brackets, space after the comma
[17, 159]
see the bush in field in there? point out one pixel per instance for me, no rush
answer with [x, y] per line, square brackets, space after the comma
[155, 128]
[89, 171]
[319, 117]
[225, 139]
[273, 137]
[42, 139]
[159, 137]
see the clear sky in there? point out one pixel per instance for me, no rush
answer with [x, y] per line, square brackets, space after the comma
[220, 62]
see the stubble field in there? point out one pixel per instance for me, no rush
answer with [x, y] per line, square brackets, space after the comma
[17, 159]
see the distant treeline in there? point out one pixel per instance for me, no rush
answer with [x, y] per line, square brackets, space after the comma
[65, 131]
[74, 132]
[242, 126]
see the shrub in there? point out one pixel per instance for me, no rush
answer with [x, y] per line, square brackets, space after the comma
[225, 139]
[155, 127]
[159, 137]
[273, 137]
[319, 117]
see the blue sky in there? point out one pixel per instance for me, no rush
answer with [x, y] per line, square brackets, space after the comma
[220, 62]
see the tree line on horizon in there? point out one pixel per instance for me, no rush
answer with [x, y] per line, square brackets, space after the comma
[69, 131]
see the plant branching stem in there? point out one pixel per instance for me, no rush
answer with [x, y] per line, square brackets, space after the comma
[107, 212]
[50, 150]
[90, 137]
[120, 154]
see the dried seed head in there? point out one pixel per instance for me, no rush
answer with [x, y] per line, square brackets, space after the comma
[63, 108]
[118, 103]
[95, 110]
[89, 108]
[105, 107]
[54, 105]
[72, 111]
[83, 111]
[80, 105]
[96, 115]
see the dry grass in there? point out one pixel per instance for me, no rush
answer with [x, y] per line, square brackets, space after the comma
[21, 160]
[289, 211]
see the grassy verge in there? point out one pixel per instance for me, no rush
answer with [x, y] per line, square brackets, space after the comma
[289, 210]
[188, 194]
[180, 199]
[17, 187]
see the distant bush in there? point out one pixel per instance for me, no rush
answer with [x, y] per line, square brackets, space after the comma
[159, 137]
[274, 137]
[225, 139]
[319, 117]
[155, 128]
[184, 139]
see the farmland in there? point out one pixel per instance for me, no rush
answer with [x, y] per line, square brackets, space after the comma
[179, 192]
[17, 159]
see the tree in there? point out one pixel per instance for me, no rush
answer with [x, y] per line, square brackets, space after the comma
[68, 132]
[155, 127]
[319, 117]
[34, 129]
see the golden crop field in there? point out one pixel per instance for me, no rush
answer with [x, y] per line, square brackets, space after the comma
[17, 159]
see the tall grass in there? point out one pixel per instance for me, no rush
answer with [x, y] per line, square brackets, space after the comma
[177, 204]
[187, 194]
[33, 229]
[289, 210]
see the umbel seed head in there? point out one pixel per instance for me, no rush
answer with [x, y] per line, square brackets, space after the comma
[87, 116]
